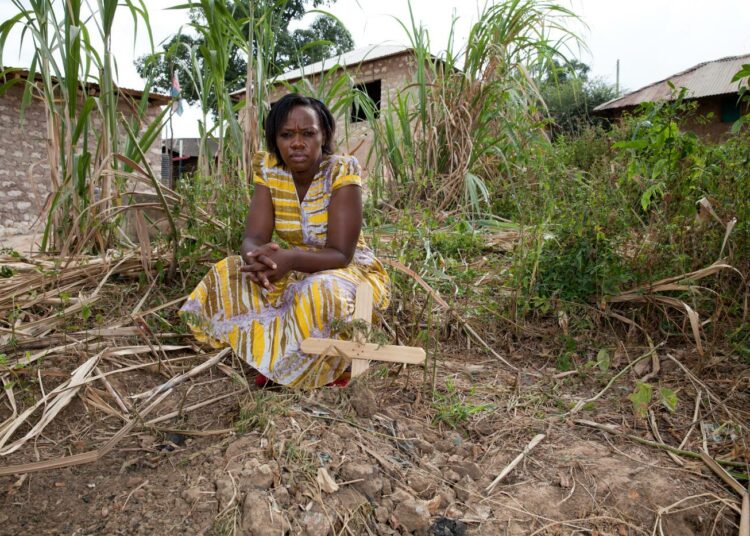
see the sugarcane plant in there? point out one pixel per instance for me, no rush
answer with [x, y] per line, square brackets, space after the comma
[72, 72]
[470, 114]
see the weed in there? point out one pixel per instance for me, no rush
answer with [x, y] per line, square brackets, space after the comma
[226, 524]
[453, 408]
[257, 411]
[298, 460]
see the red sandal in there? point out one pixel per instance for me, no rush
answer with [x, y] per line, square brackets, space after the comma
[262, 381]
[341, 381]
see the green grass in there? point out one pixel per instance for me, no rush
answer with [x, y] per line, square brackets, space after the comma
[454, 408]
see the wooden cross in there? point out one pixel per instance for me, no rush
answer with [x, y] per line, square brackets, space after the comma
[359, 350]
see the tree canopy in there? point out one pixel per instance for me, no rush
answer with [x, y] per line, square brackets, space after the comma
[325, 37]
[571, 96]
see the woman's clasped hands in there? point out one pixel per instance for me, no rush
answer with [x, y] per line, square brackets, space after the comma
[267, 264]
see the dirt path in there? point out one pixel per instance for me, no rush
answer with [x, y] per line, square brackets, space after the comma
[257, 462]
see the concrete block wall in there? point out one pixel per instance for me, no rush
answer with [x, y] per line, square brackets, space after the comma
[25, 182]
[24, 169]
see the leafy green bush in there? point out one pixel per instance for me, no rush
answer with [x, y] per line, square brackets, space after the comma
[580, 265]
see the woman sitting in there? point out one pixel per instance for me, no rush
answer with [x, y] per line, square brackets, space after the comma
[266, 301]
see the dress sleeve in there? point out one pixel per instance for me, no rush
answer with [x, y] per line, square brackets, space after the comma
[346, 171]
[260, 167]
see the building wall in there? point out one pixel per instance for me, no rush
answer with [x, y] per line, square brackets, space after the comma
[706, 122]
[395, 73]
[24, 168]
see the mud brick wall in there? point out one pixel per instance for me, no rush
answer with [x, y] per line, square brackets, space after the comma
[24, 167]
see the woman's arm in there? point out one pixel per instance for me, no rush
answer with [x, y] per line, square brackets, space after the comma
[259, 222]
[258, 231]
[344, 226]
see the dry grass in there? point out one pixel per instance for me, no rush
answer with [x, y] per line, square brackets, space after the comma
[494, 407]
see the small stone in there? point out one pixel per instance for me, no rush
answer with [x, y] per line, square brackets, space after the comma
[370, 483]
[465, 489]
[419, 483]
[261, 477]
[451, 475]
[234, 467]
[382, 515]
[445, 445]
[281, 495]
[350, 498]
[224, 492]
[105, 511]
[363, 401]
[469, 469]
[447, 497]
[257, 517]
[423, 446]
[444, 526]
[410, 513]
[238, 448]
[315, 524]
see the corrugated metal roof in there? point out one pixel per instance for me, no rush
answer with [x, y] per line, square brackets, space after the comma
[190, 147]
[348, 59]
[703, 80]
[154, 98]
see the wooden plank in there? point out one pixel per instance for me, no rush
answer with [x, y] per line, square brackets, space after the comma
[354, 350]
[362, 311]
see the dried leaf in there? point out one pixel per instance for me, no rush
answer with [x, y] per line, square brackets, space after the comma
[730, 228]
[54, 402]
[141, 231]
[326, 481]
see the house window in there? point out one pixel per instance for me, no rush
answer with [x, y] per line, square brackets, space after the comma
[730, 109]
[371, 91]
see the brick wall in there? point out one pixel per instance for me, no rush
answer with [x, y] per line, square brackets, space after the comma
[24, 169]
[395, 73]
[706, 122]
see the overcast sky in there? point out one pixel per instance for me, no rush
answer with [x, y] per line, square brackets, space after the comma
[652, 38]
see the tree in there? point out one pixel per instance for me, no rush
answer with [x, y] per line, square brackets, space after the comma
[571, 96]
[324, 38]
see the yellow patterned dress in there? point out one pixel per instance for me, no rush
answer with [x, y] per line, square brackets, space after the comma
[265, 328]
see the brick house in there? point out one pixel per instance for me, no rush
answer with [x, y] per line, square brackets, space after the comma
[709, 84]
[24, 169]
[379, 71]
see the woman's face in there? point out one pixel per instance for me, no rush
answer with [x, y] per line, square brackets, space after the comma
[300, 142]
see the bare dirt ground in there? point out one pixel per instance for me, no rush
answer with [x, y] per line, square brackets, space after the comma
[386, 455]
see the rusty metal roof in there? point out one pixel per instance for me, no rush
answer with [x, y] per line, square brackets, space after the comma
[92, 87]
[703, 80]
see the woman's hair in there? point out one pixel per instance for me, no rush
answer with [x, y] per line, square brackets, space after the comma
[279, 112]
